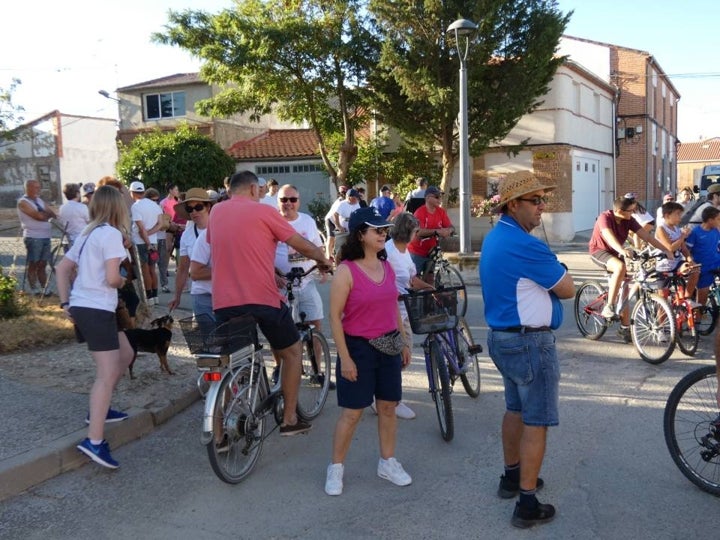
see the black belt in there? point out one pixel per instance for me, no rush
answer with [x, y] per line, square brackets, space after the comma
[523, 329]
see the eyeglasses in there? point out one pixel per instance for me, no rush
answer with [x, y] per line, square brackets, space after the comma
[198, 208]
[537, 200]
[288, 199]
[380, 230]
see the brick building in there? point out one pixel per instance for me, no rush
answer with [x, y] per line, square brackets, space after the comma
[692, 157]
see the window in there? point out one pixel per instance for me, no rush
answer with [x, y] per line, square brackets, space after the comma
[272, 169]
[167, 105]
[308, 168]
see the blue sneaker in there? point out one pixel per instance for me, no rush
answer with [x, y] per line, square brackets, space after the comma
[112, 416]
[100, 453]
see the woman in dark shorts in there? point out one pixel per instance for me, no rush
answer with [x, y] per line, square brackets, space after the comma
[90, 302]
[363, 306]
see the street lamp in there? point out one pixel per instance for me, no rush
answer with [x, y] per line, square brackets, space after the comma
[106, 94]
[462, 28]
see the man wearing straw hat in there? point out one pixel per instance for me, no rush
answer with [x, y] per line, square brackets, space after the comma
[522, 284]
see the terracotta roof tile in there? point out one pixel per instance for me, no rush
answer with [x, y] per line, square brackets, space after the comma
[707, 150]
[277, 143]
[179, 79]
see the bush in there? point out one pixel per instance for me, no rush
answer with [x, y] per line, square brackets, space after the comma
[318, 208]
[10, 305]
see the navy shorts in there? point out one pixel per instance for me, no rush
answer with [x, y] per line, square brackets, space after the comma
[329, 228]
[142, 250]
[379, 376]
[276, 324]
[531, 374]
[97, 327]
[38, 249]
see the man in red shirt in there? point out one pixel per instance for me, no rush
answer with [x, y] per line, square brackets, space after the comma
[243, 235]
[433, 220]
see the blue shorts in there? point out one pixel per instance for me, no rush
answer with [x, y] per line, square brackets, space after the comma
[379, 375]
[420, 263]
[706, 279]
[531, 374]
[276, 324]
[38, 249]
[142, 250]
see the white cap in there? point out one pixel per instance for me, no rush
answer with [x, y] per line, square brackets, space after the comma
[261, 181]
[136, 186]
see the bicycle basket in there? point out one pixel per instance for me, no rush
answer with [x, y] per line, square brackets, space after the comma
[204, 336]
[432, 311]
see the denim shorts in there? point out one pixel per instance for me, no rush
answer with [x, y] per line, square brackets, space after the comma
[379, 375]
[420, 263]
[531, 374]
[38, 249]
[142, 253]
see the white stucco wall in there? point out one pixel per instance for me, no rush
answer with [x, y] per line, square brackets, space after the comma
[89, 151]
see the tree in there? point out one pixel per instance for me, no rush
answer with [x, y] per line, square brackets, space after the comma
[10, 114]
[184, 156]
[509, 68]
[304, 60]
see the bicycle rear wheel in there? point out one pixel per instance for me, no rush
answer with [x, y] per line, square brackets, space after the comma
[447, 276]
[706, 323]
[315, 378]
[440, 390]
[686, 334]
[589, 301]
[652, 327]
[468, 355]
[691, 435]
[237, 432]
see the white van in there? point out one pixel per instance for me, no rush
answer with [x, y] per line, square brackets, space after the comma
[710, 175]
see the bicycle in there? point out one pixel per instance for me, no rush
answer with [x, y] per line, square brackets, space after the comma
[240, 396]
[651, 320]
[710, 311]
[686, 334]
[450, 352]
[691, 425]
[316, 362]
[442, 275]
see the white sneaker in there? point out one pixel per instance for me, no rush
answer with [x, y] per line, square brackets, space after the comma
[693, 304]
[390, 469]
[372, 406]
[403, 411]
[608, 311]
[334, 479]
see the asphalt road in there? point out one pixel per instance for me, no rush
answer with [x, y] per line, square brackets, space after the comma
[607, 469]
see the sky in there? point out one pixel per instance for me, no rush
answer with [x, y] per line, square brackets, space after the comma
[65, 51]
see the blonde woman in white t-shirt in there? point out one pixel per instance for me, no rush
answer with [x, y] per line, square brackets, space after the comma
[91, 305]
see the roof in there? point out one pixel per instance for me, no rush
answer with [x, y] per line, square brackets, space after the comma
[707, 150]
[179, 79]
[277, 143]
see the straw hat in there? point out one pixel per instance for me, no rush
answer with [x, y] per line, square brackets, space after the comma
[192, 195]
[520, 183]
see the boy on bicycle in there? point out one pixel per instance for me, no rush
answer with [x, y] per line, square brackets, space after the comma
[704, 242]
[607, 250]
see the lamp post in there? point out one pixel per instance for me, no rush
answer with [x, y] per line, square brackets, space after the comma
[462, 28]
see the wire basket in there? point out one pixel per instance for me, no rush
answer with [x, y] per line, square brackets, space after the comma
[204, 336]
[432, 311]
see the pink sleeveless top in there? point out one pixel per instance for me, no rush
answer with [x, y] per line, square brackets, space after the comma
[371, 308]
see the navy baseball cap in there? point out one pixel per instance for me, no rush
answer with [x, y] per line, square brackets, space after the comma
[367, 216]
[432, 190]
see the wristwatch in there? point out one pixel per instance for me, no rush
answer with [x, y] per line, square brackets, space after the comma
[63, 304]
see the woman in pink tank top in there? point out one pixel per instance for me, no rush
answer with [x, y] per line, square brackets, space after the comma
[363, 306]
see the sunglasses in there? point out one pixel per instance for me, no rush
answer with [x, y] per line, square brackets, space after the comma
[198, 207]
[535, 201]
[288, 199]
[380, 230]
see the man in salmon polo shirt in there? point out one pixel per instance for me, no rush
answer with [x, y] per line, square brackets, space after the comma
[243, 236]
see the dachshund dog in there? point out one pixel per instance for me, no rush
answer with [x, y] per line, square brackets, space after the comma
[157, 340]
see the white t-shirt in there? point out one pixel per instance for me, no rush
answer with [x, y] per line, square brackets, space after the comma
[333, 209]
[74, 216]
[270, 200]
[287, 258]
[201, 254]
[344, 211]
[148, 212]
[90, 288]
[404, 268]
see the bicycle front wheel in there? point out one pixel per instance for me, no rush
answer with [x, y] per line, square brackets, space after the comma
[237, 433]
[705, 324]
[652, 327]
[686, 334]
[447, 276]
[691, 433]
[589, 302]
[315, 378]
[468, 355]
[440, 389]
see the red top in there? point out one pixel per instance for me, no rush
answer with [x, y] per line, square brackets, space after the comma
[619, 227]
[437, 220]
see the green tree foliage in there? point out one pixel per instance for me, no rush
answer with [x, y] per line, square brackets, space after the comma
[510, 65]
[10, 114]
[304, 60]
[184, 156]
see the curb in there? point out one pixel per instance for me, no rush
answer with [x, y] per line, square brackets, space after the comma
[23, 471]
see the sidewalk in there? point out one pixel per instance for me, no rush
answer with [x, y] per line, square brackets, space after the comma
[44, 397]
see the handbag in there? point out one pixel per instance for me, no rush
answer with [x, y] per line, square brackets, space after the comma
[391, 343]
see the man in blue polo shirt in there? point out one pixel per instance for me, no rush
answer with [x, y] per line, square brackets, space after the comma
[522, 284]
